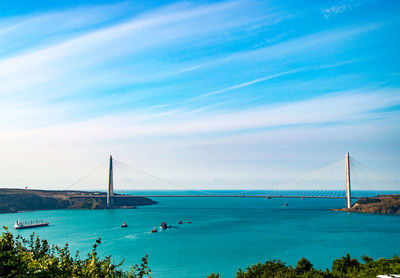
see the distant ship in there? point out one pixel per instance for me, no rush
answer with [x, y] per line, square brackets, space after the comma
[20, 225]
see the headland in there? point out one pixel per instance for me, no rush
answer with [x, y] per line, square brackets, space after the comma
[16, 200]
[386, 204]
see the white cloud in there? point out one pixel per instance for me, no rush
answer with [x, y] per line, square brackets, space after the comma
[210, 146]
[17, 34]
[337, 9]
[172, 25]
[341, 107]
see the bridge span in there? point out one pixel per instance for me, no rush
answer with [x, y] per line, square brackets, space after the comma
[116, 196]
[111, 195]
[331, 191]
[248, 196]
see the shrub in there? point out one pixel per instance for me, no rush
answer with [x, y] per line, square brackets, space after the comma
[35, 258]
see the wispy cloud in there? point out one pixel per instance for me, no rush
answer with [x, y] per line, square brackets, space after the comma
[316, 121]
[338, 9]
[84, 60]
[174, 25]
[305, 44]
[340, 107]
[263, 79]
[26, 32]
[242, 85]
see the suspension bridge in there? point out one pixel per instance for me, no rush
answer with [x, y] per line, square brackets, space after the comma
[300, 187]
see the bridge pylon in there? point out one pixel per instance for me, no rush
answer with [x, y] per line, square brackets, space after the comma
[110, 191]
[348, 184]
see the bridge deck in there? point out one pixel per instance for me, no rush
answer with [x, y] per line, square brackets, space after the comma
[244, 196]
[213, 196]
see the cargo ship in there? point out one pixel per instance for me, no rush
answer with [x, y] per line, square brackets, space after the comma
[27, 225]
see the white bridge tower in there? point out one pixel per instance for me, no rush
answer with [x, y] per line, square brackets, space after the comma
[348, 184]
[110, 191]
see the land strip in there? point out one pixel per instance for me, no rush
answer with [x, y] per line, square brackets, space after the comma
[15, 200]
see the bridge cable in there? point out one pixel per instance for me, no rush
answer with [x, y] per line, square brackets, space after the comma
[170, 182]
[86, 175]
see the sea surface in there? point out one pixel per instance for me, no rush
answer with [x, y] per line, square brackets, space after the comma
[225, 233]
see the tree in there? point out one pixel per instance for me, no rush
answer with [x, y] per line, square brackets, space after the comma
[271, 268]
[345, 265]
[35, 258]
[303, 266]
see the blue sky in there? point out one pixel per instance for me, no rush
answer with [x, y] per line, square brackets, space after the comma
[212, 94]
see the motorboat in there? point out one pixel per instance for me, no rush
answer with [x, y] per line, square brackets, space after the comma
[164, 226]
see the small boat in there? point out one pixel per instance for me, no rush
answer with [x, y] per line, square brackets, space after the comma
[190, 222]
[124, 225]
[285, 204]
[180, 222]
[268, 197]
[164, 226]
[20, 225]
[154, 230]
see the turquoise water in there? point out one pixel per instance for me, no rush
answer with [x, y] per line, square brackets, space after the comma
[226, 233]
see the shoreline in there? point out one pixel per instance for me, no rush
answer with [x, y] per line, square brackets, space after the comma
[381, 204]
[14, 200]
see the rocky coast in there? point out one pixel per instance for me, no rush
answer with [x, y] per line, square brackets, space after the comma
[385, 204]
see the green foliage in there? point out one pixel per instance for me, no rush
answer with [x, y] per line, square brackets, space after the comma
[35, 258]
[269, 269]
[303, 266]
[345, 267]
